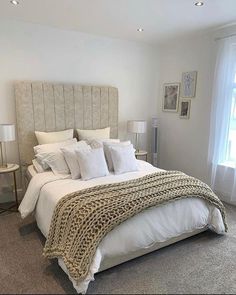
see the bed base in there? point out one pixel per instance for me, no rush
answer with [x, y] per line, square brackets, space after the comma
[113, 261]
[116, 260]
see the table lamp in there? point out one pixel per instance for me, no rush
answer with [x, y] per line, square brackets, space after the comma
[7, 133]
[137, 127]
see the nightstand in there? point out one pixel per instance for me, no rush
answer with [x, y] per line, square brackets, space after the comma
[11, 168]
[141, 154]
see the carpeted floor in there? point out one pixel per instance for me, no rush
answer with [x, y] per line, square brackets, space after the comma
[205, 264]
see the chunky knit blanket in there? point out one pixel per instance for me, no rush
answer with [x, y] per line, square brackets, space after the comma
[82, 219]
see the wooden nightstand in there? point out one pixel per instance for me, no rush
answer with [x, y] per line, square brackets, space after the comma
[141, 154]
[11, 168]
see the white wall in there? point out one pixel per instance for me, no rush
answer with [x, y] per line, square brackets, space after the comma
[35, 52]
[184, 143]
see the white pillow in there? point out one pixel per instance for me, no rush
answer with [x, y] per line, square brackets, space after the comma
[107, 151]
[52, 137]
[37, 166]
[92, 163]
[52, 147]
[98, 143]
[41, 151]
[57, 163]
[94, 134]
[40, 158]
[71, 157]
[123, 158]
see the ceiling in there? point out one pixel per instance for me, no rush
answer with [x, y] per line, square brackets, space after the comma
[160, 19]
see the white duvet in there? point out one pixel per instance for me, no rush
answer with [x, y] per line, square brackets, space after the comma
[156, 224]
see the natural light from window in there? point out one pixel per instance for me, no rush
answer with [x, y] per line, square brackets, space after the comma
[231, 149]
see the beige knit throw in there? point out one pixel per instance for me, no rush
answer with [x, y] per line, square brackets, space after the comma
[82, 219]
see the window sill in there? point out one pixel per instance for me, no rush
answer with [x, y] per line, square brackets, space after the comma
[228, 164]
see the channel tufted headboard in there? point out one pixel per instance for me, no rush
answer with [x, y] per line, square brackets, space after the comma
[46, 106]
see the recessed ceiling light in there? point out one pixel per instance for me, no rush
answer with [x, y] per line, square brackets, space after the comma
[140, 30]
[14, 2]
[199, 3]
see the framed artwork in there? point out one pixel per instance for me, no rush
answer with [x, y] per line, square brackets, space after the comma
[189, 80]
[185, 105]
[171, 97]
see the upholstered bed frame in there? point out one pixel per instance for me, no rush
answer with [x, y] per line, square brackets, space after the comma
[51, 107]
[43, 106]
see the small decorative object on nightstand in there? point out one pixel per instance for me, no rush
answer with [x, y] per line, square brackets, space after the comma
[141, 154]
[11, 168]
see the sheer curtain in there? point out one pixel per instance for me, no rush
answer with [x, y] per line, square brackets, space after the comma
[223, 173]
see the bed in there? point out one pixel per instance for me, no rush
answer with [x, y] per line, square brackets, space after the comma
[29, 173]
[50, 107]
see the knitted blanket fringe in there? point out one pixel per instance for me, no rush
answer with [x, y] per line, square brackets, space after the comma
[82, 219]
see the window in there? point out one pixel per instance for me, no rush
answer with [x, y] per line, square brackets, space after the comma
[231, 149]
[222, 143]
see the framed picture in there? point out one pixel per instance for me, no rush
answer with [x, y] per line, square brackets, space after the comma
[189, 80]
[185, 105]
[171, 97]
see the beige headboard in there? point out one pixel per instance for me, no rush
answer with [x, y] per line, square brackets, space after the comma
[52, 107]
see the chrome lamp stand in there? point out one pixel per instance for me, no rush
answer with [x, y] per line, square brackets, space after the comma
[3, 163]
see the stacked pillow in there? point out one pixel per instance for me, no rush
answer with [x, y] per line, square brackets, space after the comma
[88, 159]
[45, 153]
[53, 137]
[70, 155]
[92, 163]
[85, 134]
[108, 151]
[123, 158]
[107, 154]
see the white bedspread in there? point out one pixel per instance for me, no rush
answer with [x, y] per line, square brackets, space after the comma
[157, 224]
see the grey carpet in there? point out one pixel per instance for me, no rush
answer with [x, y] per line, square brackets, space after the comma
[205, 263]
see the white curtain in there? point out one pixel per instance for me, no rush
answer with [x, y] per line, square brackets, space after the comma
[223, 177]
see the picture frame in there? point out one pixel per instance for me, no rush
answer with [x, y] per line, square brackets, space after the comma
[188, 86]
[171, 97]
[185, 105]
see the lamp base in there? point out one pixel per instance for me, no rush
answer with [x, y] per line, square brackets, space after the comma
[6, 166]
[3, 166]
[3, 161]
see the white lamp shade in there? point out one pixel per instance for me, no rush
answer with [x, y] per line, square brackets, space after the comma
[137, 126]
[7, 132]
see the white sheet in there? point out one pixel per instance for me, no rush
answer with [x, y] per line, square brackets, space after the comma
[156, 224]
[31, 171]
